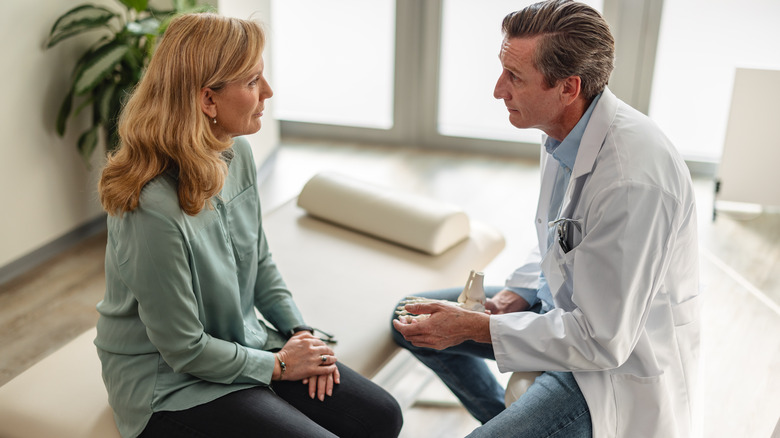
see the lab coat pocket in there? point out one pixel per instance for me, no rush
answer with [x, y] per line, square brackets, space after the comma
[687, 331]
[686, 312]
[557, 267]
[643, 400]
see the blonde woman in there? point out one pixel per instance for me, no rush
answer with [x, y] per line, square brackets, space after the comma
[187, 264]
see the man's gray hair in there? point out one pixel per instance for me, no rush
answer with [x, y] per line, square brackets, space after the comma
[575, 41]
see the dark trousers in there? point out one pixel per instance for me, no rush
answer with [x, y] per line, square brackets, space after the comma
[357, 408]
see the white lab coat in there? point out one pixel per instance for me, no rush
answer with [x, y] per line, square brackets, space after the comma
[626, 318]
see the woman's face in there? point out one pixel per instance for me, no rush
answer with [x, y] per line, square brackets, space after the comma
[239, 105]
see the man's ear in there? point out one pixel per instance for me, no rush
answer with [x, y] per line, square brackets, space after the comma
[572, 86]
[207, 104]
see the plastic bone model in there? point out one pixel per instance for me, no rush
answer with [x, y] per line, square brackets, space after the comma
[472, 298]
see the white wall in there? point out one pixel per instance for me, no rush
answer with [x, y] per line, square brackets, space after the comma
[48, 191]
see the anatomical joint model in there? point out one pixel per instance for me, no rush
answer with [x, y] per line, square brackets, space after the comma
[472, 298]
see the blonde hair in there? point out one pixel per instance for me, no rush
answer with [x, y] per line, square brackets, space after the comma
[162, 126]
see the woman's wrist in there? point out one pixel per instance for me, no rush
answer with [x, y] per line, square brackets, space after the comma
[279, 367]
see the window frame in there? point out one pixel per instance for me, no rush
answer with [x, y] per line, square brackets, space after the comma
[634, 23]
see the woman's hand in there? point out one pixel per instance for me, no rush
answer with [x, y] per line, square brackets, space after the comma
[309, 359]
[322, 385]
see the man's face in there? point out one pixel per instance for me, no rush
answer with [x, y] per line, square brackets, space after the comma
[521, 86]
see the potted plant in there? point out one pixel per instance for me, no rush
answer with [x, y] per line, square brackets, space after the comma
[113, 65]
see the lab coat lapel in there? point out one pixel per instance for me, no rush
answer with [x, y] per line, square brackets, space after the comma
[590, 145]
[548, 166]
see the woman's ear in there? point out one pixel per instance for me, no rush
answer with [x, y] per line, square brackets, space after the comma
[207, 104]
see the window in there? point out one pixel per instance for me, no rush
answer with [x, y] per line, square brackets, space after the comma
[334, 61]
[701, 44]
[469, 67]
[421, 72]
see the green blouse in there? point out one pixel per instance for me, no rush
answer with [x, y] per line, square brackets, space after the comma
[177, 324]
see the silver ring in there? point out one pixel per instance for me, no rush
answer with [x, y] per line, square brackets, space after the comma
[323, 358]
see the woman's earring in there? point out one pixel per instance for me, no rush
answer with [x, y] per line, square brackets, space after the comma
[214, 120]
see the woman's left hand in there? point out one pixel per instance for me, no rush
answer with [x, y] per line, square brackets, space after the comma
[322, 384]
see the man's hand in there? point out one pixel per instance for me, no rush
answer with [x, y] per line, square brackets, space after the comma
[506, 301]
[448, 325]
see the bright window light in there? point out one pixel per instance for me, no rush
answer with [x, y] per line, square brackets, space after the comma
[333, 61]
[695, 65]
[469, 69]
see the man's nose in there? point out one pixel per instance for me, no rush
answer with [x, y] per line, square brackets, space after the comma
[499, 91]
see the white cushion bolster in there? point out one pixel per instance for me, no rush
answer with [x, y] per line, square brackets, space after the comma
[407, 219]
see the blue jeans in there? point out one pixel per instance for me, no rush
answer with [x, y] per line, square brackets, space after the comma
[552, 405]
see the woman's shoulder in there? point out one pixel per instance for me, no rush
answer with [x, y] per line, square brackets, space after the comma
[160, 197]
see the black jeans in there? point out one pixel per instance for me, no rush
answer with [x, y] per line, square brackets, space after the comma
[357, 408]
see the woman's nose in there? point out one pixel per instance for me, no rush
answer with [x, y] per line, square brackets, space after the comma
[267, 91]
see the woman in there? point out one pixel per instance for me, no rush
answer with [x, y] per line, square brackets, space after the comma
[187, 263]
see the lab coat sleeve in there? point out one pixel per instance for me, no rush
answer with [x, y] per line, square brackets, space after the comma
[611, 278]
[524, 280]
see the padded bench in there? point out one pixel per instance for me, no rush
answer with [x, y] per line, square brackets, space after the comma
[344, 282]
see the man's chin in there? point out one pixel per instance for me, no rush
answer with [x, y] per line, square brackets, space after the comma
[519, 124]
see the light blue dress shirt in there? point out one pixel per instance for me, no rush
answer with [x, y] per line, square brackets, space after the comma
[565, 152]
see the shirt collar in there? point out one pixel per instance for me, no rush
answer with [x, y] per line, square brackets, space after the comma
[565, 152]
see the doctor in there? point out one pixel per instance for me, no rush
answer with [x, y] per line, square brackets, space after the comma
[609, 307]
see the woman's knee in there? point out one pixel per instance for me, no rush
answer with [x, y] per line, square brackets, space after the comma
[374, 413]
[388, 418]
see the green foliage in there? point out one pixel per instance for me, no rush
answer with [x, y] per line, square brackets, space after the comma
[112, 66]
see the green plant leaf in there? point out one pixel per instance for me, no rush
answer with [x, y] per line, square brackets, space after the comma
[64, 112]
[79, 19]
[112, 127]
[191, 6]
[183, 5]
[98, 66]
[103, 103]
[85, 103]
[132, 65]
[196, 9]
[138, 5]
[109, 70]
[146, 26]
[87, 143]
